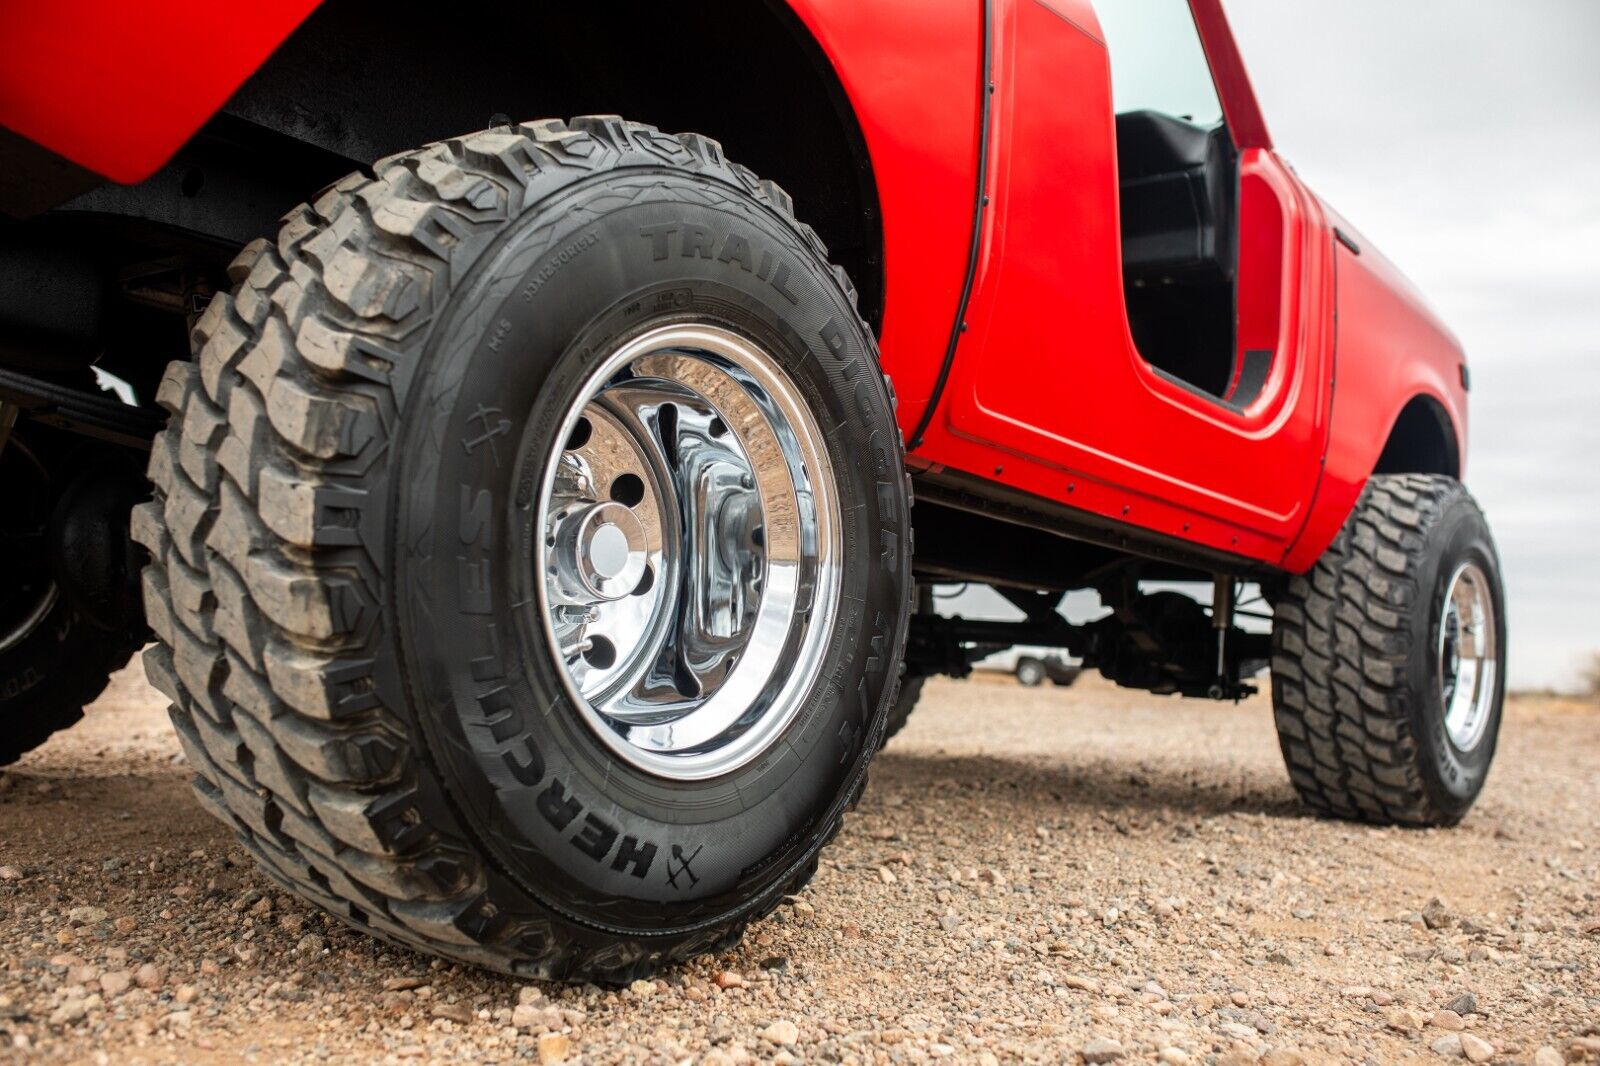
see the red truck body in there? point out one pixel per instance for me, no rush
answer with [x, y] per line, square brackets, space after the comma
[524, 534]
[1070, 415]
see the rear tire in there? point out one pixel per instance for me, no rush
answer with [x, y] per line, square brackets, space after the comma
[48, 679]
[904, 704]
[53, 660]
[1360, 678]
[344, 533]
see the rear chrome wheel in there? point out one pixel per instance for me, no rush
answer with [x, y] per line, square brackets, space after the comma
[1467, 656]
[689, 570]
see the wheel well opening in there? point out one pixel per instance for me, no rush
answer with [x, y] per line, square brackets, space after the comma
[360, 83]
[1421, 442]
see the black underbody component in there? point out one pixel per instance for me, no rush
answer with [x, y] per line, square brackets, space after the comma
[69, 611]
[1164, 641]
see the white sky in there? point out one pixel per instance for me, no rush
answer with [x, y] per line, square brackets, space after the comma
[1463, 138]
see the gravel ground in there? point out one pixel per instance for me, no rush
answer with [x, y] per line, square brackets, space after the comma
[1034, 875]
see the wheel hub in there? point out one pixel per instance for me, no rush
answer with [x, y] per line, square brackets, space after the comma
[1467, 656]
[601, 553]
[688, 571]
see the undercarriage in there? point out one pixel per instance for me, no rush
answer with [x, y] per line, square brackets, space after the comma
[1163, 641]
[1154, 638]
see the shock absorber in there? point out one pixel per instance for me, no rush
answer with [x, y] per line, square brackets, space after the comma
[1221, 622]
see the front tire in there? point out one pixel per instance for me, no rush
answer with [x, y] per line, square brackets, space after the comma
[1388, 667]
[381, 536]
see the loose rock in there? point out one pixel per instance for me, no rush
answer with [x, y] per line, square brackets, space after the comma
[782, 1033]
[1101, 1049]
[553, 1048]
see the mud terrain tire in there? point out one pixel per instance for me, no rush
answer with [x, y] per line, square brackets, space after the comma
[53, 660]
[904, 704]
[1357, 691]
[335, 536]
[48, 679]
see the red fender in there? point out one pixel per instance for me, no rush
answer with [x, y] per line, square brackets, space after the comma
[117, 88]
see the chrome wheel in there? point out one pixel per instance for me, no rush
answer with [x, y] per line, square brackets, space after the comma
[688, 569]
[1467, 656]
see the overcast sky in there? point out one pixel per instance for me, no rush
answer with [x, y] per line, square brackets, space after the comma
[1463, 138]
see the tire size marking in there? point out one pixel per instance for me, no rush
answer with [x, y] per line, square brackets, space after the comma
[554, 262]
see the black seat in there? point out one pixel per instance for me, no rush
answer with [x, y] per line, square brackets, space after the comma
[1151, 143]
[1176, 187]
[1178, 190]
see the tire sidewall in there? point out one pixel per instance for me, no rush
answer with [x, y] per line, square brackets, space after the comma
[31, 668]
[48, 675]
[1452, 777]
[573, 825]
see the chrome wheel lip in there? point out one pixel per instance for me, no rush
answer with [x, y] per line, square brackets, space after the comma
[764, 688]
[1468, 656]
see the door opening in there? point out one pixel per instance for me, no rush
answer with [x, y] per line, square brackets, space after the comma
[1180, 194]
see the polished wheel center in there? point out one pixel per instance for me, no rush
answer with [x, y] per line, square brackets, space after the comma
[1468, 662]
[689, 557]
[608, 551]
[601, 553]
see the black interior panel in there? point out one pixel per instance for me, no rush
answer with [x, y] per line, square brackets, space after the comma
[1179, 195]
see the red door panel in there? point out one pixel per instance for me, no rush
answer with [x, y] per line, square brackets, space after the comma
[1049, 375]
[912, 70]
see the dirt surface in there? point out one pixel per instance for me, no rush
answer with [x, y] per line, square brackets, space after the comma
[1049, 875]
